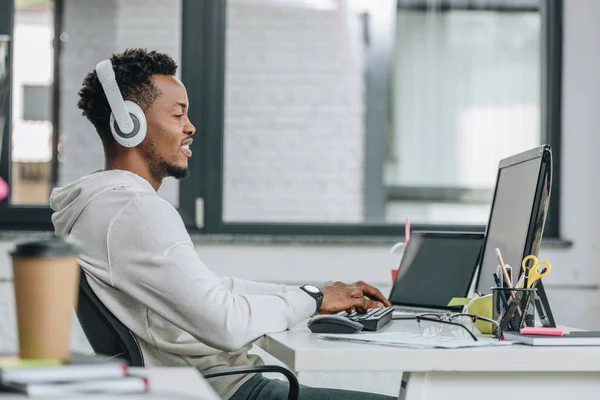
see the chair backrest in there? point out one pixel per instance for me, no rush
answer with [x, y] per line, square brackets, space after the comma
[106, 334]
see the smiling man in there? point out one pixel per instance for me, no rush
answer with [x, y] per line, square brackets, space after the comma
[139, 258]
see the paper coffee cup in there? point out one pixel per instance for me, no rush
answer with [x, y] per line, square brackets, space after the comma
[395, 258]
[46, 281]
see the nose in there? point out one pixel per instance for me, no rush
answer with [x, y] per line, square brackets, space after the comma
[190, 129]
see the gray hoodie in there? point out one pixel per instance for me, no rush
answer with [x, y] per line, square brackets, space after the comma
[141, 263]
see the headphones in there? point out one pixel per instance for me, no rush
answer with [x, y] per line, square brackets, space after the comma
[127, 120]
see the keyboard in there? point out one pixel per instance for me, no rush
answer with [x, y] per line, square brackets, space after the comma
[373, 320]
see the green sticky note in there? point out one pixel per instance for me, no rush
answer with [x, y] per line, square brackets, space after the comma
[459, 301]
[15, 362]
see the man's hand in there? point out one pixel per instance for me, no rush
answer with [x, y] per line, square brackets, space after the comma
[374, 295]
[339, 296]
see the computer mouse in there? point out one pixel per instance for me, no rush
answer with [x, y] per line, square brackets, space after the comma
[331, 323]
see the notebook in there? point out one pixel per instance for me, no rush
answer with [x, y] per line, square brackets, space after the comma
[80, 367]
[436, 267]
[574, 338]
[83, 374]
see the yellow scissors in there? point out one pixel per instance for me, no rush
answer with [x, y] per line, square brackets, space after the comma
[537, 271]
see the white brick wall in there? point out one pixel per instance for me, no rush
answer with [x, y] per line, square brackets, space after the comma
[97, 29]
[294, 113]
[91, 29]
[294, 123]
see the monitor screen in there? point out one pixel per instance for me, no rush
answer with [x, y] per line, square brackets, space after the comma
[436, 267]
[510, 221]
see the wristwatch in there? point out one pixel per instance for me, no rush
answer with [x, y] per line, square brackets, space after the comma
[315, 293]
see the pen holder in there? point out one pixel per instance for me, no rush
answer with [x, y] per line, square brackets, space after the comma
[512, 309]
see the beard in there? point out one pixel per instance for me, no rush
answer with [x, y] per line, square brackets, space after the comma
[160, 168]
[164, 169]
[174, 171]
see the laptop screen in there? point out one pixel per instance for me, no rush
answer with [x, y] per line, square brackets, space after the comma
[435, 268]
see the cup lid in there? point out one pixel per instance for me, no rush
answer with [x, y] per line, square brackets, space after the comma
[54, 247]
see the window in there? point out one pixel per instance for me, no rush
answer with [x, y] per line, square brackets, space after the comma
[36, 103]
[466, 93]
[294, 113]
[347, 117]
[108, 28]
[32, 127]
[53, 44]
[312, 117]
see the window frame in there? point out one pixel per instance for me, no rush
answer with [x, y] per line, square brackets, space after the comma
[24, 217]
[551, 13]
[201, 196]
[206, 93]
[17, 217]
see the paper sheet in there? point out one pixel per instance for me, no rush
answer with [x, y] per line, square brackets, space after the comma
[405, 339]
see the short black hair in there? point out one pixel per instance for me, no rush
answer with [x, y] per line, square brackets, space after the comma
[133, 71]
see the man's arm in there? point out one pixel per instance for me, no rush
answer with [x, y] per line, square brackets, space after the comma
[243, 286]
[152, 259]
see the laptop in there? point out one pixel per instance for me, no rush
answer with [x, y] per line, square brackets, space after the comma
[436, 267]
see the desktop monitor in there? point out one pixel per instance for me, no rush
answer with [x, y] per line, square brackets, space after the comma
[517, 218]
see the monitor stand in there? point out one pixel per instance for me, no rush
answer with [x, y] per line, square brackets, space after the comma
[542, 306]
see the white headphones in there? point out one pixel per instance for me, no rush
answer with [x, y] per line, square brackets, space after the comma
[127, 120]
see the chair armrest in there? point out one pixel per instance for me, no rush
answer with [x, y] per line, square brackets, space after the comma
[294, 385]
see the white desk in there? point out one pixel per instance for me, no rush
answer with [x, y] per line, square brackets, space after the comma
[165, 383]
[473, 373]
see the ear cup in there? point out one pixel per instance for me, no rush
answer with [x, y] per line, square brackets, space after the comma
[137, 135]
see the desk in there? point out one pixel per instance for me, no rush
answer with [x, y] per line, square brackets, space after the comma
[165, 383]
[526, 372]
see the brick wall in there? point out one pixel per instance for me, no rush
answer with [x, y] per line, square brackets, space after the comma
[89, 41]
[294, 101]
[95, 30]
[294, 113]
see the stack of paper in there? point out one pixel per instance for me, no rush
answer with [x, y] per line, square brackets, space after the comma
[83, 374]
[404, 339]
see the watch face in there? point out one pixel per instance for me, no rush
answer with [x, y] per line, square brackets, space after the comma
[312, 289]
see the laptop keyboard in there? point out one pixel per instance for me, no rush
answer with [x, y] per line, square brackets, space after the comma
[373, 320]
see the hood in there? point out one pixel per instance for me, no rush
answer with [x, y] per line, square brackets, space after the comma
[68, 202]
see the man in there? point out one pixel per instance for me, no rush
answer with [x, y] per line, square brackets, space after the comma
[140, 260]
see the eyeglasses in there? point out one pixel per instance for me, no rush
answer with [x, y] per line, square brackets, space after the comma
[455, 325]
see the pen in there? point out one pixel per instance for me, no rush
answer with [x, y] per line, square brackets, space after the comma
[504, 271]
[501, 294]
[501, 276]
[497, 281]
[507, 278]
[407, 230]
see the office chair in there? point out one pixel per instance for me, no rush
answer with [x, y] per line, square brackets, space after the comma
[108, 336]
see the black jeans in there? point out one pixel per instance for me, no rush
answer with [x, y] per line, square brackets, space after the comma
[261, 388]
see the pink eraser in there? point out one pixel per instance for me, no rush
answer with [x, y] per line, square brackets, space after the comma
[530, 330]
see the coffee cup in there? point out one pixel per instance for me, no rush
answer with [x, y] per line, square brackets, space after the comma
[46, 281]
[395, 258]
